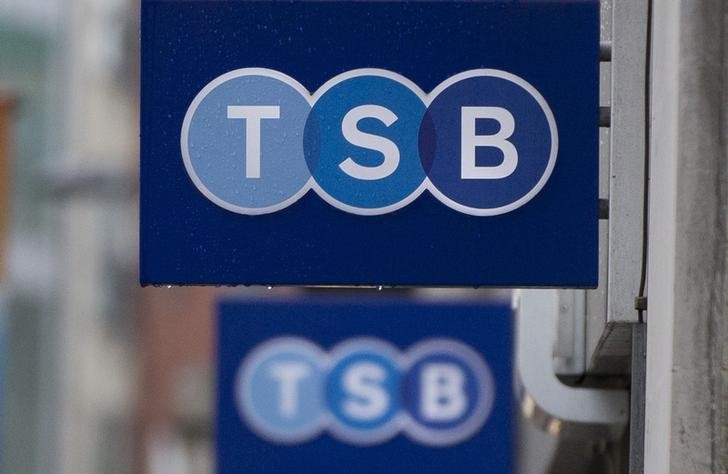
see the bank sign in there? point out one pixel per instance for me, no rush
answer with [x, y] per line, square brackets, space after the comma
[369, 143]
[392, 386]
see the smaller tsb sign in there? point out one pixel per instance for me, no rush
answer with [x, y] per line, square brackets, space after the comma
[397, 386]
[439, 392]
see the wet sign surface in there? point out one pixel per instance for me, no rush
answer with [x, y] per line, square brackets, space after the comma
[369, 143]
[365, 385]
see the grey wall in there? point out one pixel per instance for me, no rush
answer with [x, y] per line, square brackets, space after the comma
[687, 342]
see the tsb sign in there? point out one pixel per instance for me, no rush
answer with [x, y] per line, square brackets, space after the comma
[439, 392]
[369, 141]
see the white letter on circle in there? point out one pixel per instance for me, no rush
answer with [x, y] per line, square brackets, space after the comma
[362, 380]
[369, 141]
[470, 141]
[288, 375]
[253, 114]
[443, 398]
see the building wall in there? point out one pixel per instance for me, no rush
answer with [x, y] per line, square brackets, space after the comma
[687, 341]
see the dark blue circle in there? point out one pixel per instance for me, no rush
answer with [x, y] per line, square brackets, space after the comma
[440, 142]
[412, 390]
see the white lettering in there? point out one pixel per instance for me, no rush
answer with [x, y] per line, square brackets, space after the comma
[369, 141]
[363, 381]
[470, 141]
[288, 376]
[253, 115]
[443, 397]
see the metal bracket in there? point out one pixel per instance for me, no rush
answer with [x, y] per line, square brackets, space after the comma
[640, 303]
[536, 312]
[626, 167]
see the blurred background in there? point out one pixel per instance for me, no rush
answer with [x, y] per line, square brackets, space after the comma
[96, 373]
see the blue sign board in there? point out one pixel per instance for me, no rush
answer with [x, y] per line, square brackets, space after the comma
[369, 143]
[364, 385]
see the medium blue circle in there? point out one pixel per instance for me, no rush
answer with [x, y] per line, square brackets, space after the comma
[346, 403]
[216, 144]
[279, 407]
[327, 148]
[441, 133]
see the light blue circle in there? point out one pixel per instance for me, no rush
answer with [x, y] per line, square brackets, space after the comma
[283, 408]
[379, 389]
[327, 148]
[215, 149]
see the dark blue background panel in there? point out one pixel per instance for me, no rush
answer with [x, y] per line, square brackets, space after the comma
[486, 328]
[549, 241]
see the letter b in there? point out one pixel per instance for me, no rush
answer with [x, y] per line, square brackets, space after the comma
[442, 392]
[471, 141]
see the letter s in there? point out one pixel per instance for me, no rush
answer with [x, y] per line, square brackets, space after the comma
[369, 141]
